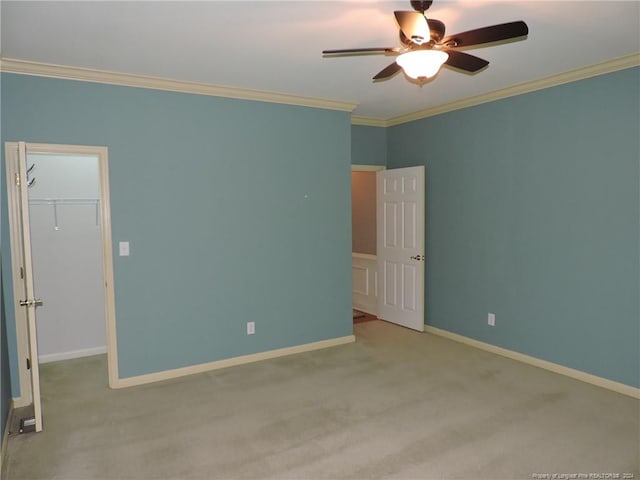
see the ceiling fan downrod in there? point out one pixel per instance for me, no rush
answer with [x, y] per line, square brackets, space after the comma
[421, 6]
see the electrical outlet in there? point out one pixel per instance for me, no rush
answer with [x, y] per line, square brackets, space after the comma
[491, 319]
[251, 328]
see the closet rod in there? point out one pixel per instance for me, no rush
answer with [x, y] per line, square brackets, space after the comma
[66, 201]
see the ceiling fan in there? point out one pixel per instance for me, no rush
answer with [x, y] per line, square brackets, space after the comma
[425, 48]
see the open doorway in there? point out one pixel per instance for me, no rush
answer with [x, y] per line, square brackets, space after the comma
[59, 217]
[388, 215]
[66, 247]
[364, 260]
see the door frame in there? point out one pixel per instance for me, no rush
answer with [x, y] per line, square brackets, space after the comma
[22, 337]
[367, 168]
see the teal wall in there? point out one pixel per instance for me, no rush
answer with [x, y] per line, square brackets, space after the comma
[5, 374]
[5, 274]
[236, 211]
[532, 212]
[368, 145]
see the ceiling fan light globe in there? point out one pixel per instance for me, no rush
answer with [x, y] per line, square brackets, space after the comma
[422, 63]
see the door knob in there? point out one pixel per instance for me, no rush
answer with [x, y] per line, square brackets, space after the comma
[417, 257]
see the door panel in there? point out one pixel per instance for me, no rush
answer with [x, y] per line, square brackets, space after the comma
[400, 248]
[409, 223]
[390, 222]
[390, 281]
[409, 287]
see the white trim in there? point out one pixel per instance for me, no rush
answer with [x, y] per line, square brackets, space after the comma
[367, 168]
[157, 83]
[86, 352]
[107, 267]
[231, 362]
[364, 256]
[536, 362]
[23, 67]
[616, 64]
[19, 402]
[368, 121]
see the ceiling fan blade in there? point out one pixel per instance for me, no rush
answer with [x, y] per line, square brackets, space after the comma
[414, 26]
[494, 33]
[388, 71]
[464, 61]
[356, 51]
[436, 28]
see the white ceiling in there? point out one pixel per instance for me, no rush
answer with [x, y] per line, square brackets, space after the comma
[276, 46]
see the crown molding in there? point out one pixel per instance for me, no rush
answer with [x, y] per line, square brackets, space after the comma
[613, 65]
[157, 83]
[368, 121]
[22, 67]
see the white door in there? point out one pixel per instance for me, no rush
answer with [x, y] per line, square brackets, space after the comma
[26, 302]
[400, 246]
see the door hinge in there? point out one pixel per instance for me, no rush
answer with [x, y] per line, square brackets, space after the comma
[17, 179]
[21, 272]
[28, 364]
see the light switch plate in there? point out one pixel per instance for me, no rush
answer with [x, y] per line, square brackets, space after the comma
[124, 249]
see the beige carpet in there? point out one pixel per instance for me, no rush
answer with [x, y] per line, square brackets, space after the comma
[396, 404]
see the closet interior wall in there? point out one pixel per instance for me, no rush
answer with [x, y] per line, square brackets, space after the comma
[66, 246]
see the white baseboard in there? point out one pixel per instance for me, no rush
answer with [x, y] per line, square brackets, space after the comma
[87, 352]
[19, 402]
[536, 362]
[230, 362]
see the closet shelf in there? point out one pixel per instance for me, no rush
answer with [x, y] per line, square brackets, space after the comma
[64, 201]
[55, 202]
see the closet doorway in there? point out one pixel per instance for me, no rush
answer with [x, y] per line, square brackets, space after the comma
[59, 217]
[66, 247]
